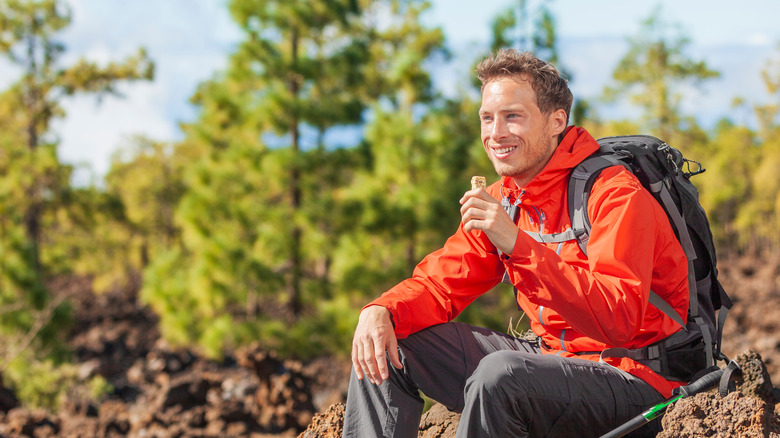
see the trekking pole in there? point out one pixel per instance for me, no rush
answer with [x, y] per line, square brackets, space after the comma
[707, 381]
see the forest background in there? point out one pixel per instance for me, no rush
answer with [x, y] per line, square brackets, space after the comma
[320, 164]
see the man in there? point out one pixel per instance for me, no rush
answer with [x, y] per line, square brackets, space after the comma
[578, 305]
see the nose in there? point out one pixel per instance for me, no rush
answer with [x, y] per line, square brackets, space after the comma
[499, 130]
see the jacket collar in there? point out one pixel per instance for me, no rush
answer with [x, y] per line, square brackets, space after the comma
[576, 145]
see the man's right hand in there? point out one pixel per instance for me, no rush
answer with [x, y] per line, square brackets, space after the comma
[374, 336]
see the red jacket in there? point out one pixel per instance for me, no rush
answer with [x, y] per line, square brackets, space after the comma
[575, 302]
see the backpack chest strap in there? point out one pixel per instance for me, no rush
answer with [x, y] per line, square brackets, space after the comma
[564, 236]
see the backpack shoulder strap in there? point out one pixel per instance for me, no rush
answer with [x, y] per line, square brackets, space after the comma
[580, 184]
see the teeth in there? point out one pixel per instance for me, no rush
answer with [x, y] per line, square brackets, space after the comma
[504, 150]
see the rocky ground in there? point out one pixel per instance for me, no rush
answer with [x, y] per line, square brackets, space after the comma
[162, 392]
[751, 410]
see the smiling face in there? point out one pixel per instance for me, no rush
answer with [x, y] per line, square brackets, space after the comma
[518, 138]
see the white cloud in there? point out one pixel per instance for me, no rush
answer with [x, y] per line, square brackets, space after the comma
[758, 39]
[189, 40]
[92, 132]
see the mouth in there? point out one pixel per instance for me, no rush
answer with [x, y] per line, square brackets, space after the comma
[503, 152]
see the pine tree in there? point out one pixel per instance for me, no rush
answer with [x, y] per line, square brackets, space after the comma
[759, 218]
[255, 218]
[34, 186]
[27, 37]
[652, 73]
[387, 205]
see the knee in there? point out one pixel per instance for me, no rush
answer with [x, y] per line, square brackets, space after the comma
[498, 373]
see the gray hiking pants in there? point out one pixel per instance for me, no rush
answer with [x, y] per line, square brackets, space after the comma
[503, 386]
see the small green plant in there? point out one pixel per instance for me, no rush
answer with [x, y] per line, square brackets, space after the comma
[46, 384]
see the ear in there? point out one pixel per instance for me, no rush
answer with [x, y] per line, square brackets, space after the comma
[557, 122]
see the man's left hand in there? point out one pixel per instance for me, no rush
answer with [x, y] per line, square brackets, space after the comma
[480, 211]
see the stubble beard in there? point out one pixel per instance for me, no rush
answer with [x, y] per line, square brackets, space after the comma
[542, 151]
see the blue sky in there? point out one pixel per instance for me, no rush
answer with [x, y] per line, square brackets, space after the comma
[190, 41]
[709, 22]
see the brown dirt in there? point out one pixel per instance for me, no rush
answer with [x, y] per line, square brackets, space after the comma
[329, 424]
[160, 391]
[164, 392]
[750, 411]
[754, 322]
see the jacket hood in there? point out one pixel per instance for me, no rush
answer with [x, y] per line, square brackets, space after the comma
[576, 145]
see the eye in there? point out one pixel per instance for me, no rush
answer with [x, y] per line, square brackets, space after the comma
[486, 118]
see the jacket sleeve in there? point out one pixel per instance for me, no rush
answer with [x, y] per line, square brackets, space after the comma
[606, 298]
[444, 283]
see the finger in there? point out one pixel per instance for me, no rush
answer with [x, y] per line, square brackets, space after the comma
[364, 361]
[470, 214]
[477, 193]
[479, 202]
[473, 193]
[369, 363]
[356, 362]
[392, 353]
[381, 362]
[470, 204]
[475, 225]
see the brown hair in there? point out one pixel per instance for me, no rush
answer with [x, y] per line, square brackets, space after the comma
[551, 87]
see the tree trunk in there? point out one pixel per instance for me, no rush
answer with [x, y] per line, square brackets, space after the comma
[295, 305]
[33, 213]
